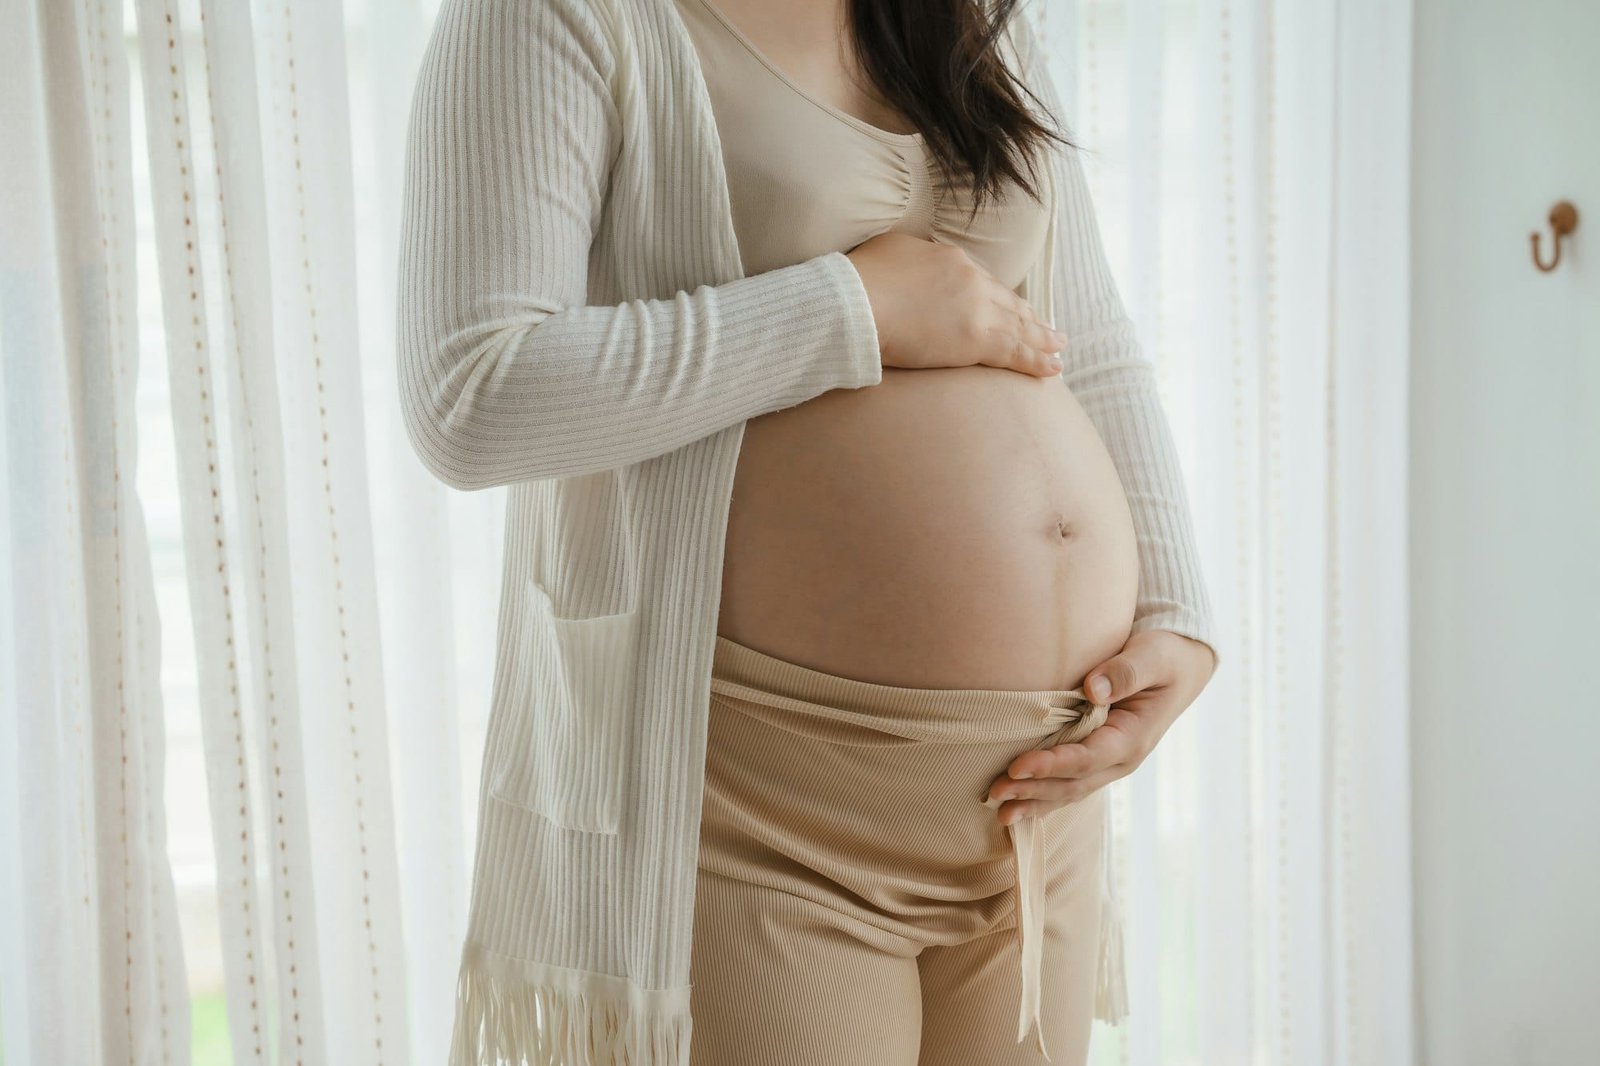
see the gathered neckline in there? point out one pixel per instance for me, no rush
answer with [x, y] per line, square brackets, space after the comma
[914, 138]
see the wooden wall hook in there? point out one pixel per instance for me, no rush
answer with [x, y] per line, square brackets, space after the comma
[1563, 220]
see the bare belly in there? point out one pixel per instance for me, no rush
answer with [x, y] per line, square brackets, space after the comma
[951, 528]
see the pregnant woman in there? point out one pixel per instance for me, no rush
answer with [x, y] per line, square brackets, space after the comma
[917, 577]
[821, 542]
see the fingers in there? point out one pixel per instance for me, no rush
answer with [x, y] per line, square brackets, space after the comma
[1037, 335]
[1114, 743]
[1033, 360]
[1123, 672]
[1065, 773]
[1033, 346]
[1051, 796]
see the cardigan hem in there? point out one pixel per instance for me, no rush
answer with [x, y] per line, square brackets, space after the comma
[515, 1010]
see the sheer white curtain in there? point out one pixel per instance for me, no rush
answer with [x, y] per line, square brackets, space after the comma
[1250, 163]
[217, 731]
[243, 703]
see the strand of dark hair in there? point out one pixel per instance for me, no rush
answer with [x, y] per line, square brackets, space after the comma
[938, 62]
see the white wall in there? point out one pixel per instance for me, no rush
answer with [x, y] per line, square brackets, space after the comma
[1506, 534]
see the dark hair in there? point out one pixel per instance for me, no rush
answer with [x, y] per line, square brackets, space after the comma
[939, 64]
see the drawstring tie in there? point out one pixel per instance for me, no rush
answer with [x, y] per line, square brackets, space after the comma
[1027, 842]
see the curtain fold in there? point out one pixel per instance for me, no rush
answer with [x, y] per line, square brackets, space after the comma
[226, 418]
[94, 968]
[232, 664]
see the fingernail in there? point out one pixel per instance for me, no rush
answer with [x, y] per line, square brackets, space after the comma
[1055, 362]
[1100, 688]
[1025, 775]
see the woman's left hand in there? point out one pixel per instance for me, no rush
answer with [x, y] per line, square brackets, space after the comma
[1152, 680]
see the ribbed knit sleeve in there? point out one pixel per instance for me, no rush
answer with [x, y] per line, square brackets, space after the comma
[506, 373]
[1109, 374]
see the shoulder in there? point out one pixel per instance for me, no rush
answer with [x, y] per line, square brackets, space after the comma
[1023, 40]
[527, 36]
[1032, 65]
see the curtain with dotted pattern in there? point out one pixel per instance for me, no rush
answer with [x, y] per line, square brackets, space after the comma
[219, 678]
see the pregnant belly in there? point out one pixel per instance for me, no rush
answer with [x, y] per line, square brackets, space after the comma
[951, 528]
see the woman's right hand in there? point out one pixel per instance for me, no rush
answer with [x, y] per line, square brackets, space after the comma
[936, 307]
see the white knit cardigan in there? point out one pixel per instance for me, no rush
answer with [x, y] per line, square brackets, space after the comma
[574, 323]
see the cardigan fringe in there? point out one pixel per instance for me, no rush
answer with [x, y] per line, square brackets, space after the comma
[529, 1014]
[1111, 983]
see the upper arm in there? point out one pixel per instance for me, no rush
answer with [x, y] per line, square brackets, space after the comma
[512, 135]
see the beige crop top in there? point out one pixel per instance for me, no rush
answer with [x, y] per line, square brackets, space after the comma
[805, 178]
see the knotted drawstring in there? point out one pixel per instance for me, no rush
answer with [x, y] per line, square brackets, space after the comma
[1027, 843]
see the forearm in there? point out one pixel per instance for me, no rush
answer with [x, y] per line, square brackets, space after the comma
[558, 393]
[1118, 391]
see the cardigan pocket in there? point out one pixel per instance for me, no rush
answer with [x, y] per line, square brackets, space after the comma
[567, 759]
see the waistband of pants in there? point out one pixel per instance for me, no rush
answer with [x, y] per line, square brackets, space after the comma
[740, 672]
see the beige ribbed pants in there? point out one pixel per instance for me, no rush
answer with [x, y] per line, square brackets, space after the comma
[856, 902]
